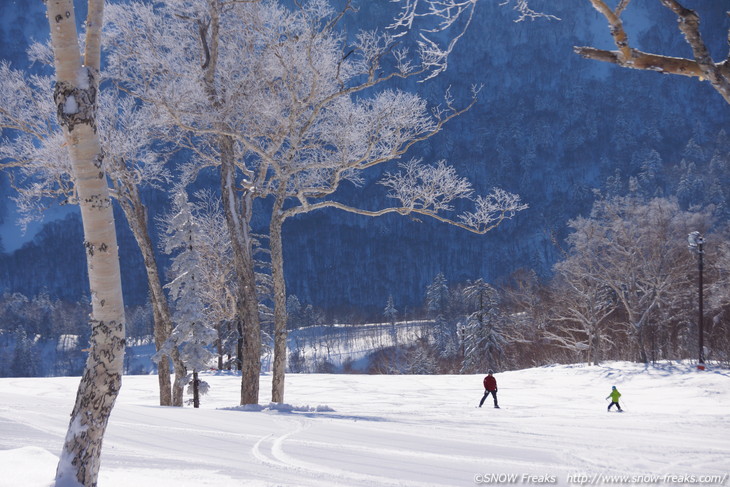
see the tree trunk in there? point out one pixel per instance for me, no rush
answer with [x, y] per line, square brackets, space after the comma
[277, 275]
[196, 390]
[75, 96]
[135, 211]
[641, 344]
[594, 343]
[238, 224]
[219, 344]
[237, 212]
[178, 387]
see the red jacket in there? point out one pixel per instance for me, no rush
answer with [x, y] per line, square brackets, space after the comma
[490, 383]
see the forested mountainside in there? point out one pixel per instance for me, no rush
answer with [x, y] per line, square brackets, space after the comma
[549, 125]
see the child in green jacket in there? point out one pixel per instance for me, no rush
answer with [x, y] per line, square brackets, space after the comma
[615, 394]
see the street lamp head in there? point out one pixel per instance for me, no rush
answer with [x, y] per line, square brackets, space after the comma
[694, 239]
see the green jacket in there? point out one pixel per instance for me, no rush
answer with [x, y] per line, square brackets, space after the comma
[615, 394]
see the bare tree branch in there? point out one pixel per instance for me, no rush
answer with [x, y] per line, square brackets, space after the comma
[701, 67]
[689, 24]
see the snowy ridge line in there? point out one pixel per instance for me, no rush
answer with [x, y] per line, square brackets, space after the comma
[339, 344]
[368, 325]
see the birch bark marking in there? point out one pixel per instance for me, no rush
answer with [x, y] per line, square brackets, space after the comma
[75, 97]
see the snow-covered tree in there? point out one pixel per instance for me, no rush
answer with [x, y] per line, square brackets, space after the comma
[437, 295]
[130, 137]
[638, 251]
[181, 57]
[421, 360]
[290, 117]
[193, 335]
[583, 307]
[293, 311]
[484, 341]
[25, 357]
[390, 312]
[437, 304]
[216, 270]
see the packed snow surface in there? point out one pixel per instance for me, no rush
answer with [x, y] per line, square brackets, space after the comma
[366, 430]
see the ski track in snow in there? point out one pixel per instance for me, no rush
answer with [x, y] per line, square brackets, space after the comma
[386, 430]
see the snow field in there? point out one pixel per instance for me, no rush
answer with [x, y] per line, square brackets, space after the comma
[364, 430]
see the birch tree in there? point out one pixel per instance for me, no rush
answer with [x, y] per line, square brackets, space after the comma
[701, 66]
[75, 96]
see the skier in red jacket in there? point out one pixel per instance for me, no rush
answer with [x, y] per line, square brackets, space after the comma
[490, 386]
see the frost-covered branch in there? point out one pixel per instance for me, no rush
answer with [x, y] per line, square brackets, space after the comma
[35, 147]
[425, 192]
[423, 187]
[432, 18]
[492, 209]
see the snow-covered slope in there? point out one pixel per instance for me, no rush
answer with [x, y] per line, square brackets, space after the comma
[394, 430]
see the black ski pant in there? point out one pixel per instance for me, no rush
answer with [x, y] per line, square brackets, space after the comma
[609, 406]
[486, 393]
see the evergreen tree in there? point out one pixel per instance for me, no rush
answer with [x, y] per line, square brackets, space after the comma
[25, 360]
[390, 314]
[483, 338]
[650, 173]
[293, 311]
[437, 303]
[437, 295]
[690, 191]
[192, 334]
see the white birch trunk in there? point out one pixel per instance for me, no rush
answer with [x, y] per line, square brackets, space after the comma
[75, 97]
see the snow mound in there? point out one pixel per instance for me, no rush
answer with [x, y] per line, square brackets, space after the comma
[282, 408]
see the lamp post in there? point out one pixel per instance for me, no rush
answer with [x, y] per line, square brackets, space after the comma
[696, 242]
